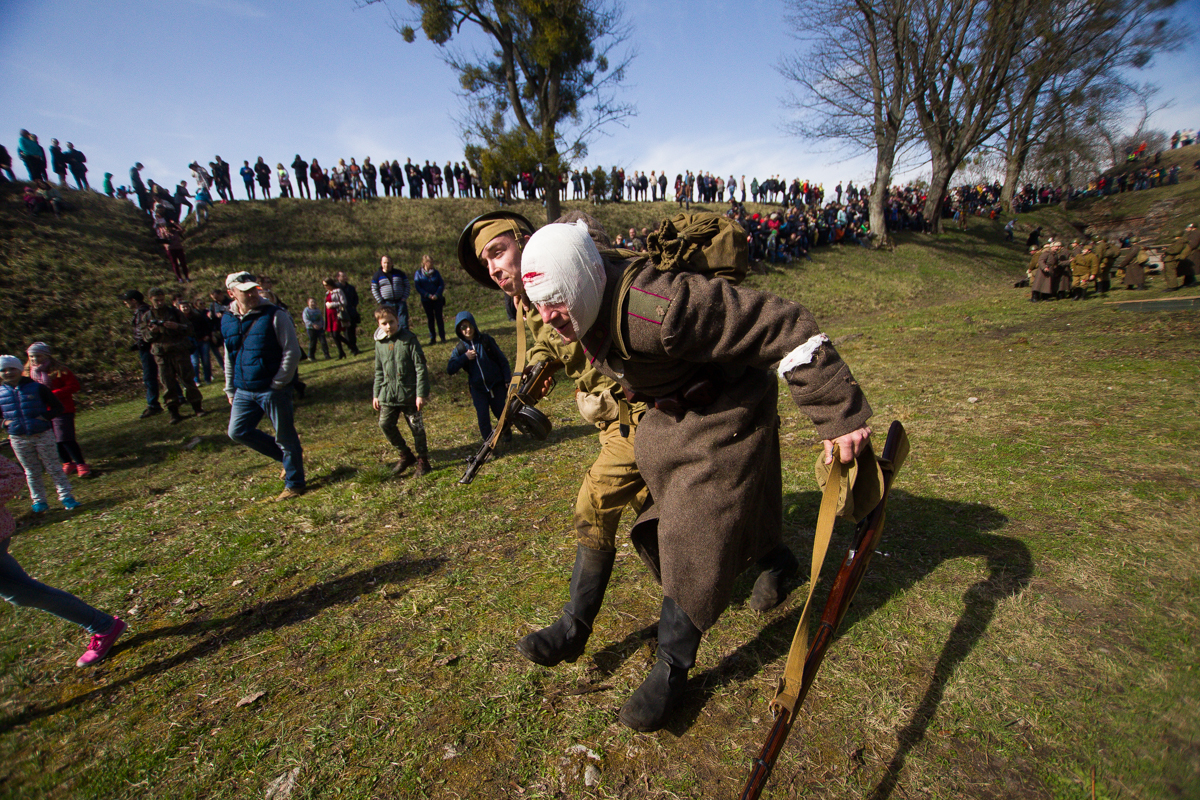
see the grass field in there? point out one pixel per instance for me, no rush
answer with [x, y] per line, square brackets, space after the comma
[1029, 626]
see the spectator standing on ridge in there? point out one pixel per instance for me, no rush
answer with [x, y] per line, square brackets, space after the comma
[135, 180]
[77, 163]
[32, 155]
[261, 354]
[300, 167]
[285, 181]
[263, 172]
[224, 183]
[58, 162]
[134, 301]
[247, 173]
[6, 172]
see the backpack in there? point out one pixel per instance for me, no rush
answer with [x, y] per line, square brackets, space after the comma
[702, 242]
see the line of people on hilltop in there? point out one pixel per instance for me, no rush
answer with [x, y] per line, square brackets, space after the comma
[1056, 272]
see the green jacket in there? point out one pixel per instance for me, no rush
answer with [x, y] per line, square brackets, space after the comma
[400, 374]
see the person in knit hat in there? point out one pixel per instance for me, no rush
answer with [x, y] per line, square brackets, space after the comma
[28, 408]
[21, 590]
[54, 375]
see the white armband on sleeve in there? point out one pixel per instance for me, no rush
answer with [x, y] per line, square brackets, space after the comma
[801, 355]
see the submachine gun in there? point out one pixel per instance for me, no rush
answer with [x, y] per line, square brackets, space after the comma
[537, 381]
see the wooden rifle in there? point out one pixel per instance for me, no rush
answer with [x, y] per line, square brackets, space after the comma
[867, 534]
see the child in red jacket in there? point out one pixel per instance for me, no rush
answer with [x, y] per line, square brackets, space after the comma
[55, 376]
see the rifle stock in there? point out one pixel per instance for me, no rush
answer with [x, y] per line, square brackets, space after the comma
[845, 585]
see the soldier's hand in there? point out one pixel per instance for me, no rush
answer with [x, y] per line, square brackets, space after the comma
[848, 446]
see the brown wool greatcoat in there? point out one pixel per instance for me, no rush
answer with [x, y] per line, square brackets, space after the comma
[714, 472]
[1131, 262]
[1044, 275]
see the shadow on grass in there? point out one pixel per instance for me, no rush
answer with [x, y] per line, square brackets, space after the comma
[216, 634]
[924, 533]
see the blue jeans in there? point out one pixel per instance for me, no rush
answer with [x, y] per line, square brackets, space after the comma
[485, 403]
[21, 590]
[150, 378]
[203, 358]
[248, 410]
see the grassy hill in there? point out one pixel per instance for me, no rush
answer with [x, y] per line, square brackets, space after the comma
[1031, 620]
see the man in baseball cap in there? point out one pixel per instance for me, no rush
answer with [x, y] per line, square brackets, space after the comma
[261, 354]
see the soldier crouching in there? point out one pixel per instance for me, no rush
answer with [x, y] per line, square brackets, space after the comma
[701, 352]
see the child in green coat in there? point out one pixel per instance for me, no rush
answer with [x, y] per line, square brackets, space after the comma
[401, 387]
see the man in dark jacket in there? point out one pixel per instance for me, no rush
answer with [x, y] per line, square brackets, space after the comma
[220, 173]
[261, 354]
[134, 301]
[77, 163]
[135, 180]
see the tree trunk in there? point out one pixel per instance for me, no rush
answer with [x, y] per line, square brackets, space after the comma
[938, 182]
[884, 158]
[1013, 164]
[553, 206]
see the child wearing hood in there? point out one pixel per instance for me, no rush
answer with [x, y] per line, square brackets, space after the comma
[488, 372]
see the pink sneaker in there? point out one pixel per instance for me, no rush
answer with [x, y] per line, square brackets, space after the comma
[68, 468]
[101, 643]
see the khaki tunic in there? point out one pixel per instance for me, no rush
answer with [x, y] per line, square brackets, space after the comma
[714, 472]
[613, 481]
[1173, 254]
[1191, 261]
[1083, 268]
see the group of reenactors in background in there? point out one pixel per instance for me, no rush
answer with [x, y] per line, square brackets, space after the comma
[1058, 272]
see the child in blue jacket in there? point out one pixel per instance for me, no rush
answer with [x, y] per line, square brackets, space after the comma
[487, 369]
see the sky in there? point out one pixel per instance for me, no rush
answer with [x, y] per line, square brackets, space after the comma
[165, 83]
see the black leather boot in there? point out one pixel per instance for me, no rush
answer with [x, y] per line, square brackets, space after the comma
[778, 567]
[678, 640]
[567, 637]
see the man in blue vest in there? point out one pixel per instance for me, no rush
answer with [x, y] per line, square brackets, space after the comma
[261, 354]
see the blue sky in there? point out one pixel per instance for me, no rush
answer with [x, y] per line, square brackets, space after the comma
[168, 82]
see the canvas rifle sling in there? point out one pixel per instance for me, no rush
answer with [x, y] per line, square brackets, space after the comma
[788, 691]
[515, 383]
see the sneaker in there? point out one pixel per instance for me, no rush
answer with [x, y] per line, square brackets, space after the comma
[423, 467]
[150, 412]
[101, 643]
[176, 418]
[70, 503]
[40, 507]
[288, 494]
[83, 470]
[69, 468]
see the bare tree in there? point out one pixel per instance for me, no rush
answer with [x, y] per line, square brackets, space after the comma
[961, 54]
[1076, 46]
[853, 83]
[548, 86]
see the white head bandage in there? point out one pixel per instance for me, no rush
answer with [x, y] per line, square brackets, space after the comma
[560, 264]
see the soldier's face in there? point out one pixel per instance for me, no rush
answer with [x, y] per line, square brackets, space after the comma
[557, 316]
[502, 257]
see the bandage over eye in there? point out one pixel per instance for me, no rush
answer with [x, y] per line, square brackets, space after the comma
[562, 265]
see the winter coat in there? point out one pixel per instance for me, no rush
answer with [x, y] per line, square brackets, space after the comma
[61, 382]
[489, 372]
[429, 285]
[714, 471]
[28, 407]
[400, 373]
